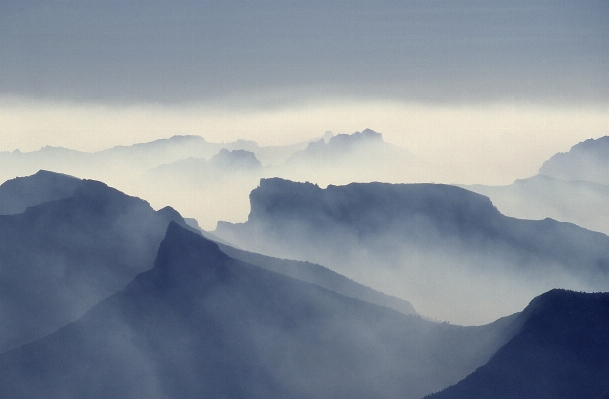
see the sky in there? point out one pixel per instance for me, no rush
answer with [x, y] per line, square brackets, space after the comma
[489, 90]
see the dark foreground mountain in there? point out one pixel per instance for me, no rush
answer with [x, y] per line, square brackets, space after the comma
[203, 325]
[560, 352]
[399, 237]
[588, 160]
[76, 243]
[580, 202]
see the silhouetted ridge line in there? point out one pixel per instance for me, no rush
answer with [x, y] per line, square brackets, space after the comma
[185, 257]
[561, 351]
[201, 324]
[21, 192]
[77, 242]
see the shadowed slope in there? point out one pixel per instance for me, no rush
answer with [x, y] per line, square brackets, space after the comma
[200, 324]
[59, 258]
[321, 276]
[560, 352]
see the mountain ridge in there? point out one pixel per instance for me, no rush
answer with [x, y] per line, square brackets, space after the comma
[388, 236]
[202, 324]
[560, 352]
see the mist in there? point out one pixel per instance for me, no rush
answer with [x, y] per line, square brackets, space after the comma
[199, 322]
[448, 251]
[335, 149]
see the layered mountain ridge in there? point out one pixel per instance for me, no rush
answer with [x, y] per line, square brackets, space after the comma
[203, 324]
[77, 242]
[395, 236]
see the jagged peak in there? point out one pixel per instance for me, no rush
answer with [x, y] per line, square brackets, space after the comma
[185, 258]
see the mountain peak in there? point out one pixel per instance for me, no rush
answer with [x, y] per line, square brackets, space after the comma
[235, 159]
[184, 258]
[21, 192]
[587, 160]
[560, 351]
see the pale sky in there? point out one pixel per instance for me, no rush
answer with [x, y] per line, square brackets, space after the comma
[490, 90]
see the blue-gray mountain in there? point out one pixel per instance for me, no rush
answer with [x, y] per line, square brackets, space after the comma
[303, 216]
[342, 147]
[419, 241]
[17, 194]
[321, 276]
[226, 165]
[583, 203]
[202, 324]
[561, 351]
[77, 242]
[588, 160]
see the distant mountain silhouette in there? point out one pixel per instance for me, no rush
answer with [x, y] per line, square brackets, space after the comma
[132, 159]
[588, 160]
[21, 192]
[76, 243]
[361, 156]
[347, 147]
[201, 324]
[224, 166]
[385, 234]
[561, 351]
[576, 201]
[339, 146]
[235, 159]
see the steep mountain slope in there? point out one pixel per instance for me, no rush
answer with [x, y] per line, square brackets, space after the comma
[560, 352]
[588, 160]
[201, 324]
[575, 201]
[405, 239]
[60, 257]
[321, 276]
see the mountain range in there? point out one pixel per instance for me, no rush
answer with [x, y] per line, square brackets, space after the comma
[77, 242]
[136, 158]
[361, 156]
[203, 324]
[102, 296]
[570, 187]
[394, 236]
[579, 202]
[211, 181]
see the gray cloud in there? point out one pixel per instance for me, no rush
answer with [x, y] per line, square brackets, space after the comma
[269, 52]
